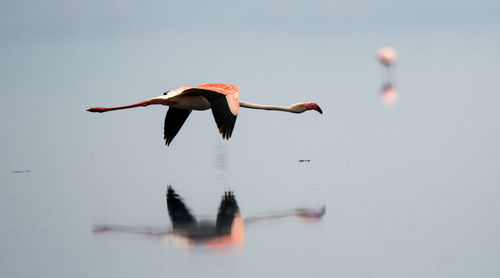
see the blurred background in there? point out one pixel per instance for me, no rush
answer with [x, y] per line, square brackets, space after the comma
[411, 189]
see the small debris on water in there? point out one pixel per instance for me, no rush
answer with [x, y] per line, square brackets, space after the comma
[304, 160]
[21, 171]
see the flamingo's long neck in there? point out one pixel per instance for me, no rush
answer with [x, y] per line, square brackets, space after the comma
[106, 109]
[266, 107]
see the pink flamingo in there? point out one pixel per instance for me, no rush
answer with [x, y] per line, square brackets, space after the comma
[227, 230]
[223, 99]
[387, 56]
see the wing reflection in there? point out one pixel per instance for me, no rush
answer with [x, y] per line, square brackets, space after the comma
[227, 230]
[179, 214]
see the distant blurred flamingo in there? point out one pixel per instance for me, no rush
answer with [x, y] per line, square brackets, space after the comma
[223, 99]
[387, 56]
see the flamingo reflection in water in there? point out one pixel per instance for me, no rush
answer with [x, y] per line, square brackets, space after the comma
[388, 92]
[228, 229]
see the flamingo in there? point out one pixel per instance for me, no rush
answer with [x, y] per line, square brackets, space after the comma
[387, 56]
[223, 99]
[227, 230]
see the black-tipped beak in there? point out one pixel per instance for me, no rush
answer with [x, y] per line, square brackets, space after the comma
[319, 110]
[96, 109]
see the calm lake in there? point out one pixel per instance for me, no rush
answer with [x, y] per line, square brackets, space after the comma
[408, 174]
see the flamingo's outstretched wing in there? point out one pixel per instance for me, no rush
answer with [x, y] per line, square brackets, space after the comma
[174, 120]
[227, 211]
[178, 212]
[221, 104]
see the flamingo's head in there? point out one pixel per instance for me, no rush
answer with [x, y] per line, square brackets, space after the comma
[304, 106]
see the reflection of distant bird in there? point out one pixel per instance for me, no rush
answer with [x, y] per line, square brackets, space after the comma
[387, 56]
[223, 99]
[389, 94]
[227, 229]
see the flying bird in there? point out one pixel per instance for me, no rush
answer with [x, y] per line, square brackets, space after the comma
[387, 56]
[223, 99]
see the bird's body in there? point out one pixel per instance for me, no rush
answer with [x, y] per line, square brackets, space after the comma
[189, 103]
[222, 99]
[387, 56]
[192, 98]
